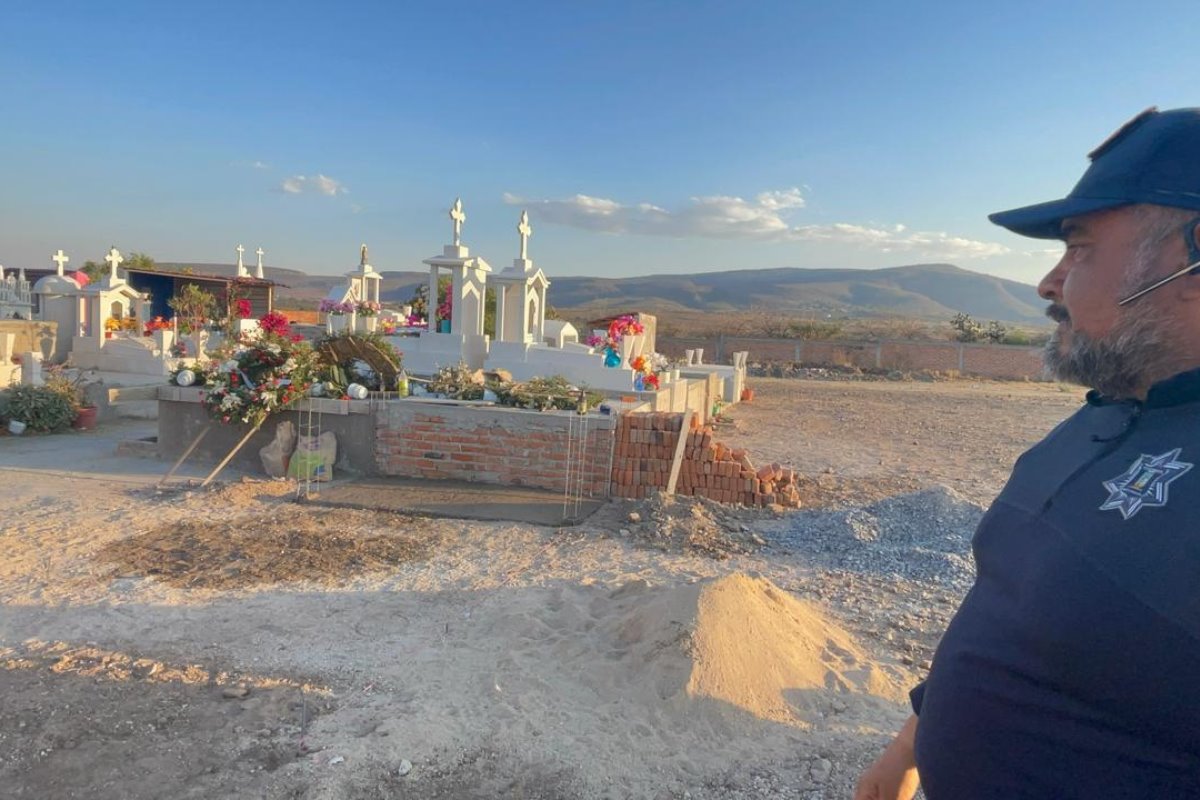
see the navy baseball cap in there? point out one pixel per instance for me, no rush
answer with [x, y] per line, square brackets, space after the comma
[1153, 158]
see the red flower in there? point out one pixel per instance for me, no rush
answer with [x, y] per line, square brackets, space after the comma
[243, 308]
[276, 323]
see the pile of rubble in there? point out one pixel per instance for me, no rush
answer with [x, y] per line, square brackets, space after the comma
[687, 524]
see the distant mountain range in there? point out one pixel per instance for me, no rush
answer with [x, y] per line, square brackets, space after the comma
[926, 291]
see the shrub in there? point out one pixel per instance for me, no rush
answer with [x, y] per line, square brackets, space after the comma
[39, 407]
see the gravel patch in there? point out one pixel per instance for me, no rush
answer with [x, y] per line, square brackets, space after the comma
[924, 536]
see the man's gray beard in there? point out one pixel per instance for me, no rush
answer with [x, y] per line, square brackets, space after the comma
[1133, 355]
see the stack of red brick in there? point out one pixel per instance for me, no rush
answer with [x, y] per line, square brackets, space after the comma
[712, 470]
[645, 448]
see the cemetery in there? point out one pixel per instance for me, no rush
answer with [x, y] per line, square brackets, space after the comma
[386, 393]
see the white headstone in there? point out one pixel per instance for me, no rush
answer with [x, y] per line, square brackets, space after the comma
[31, 369]
[258, 270]
[524, 230]
[241, 268]
[60, 259]
[459, 217]
[113, 258]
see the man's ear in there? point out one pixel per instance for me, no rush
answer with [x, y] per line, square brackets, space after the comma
[1190, 291]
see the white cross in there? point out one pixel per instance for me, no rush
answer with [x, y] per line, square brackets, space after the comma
[258, 271]
[525, 231]
[240, 250]
[459, 217]
[60, 259]
[113, 258]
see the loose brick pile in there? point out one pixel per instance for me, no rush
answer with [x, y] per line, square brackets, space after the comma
[645, 448]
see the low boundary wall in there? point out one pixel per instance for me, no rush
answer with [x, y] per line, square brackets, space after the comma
[985, 360]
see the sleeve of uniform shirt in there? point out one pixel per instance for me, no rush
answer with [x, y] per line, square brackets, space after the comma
[916, 696]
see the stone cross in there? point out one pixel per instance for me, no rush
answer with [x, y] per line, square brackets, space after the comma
[113, 258]
[60, 259]
[524, 230]
[459, 217]
[258, 271]
[240, 266]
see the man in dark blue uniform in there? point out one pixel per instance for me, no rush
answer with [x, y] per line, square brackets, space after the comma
[1072, 668]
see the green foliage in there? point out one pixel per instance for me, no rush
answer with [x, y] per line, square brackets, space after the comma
[545, 394]
[1025, 338]
[41, 408]
[136, 260]
[192, 305]
[93, 270]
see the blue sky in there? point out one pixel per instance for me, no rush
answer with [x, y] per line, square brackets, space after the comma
[643, 137]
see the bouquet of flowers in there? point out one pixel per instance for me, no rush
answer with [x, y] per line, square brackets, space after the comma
[445, 308]
[369, 308]
[623, 326]
[258, 377]
[157, 324]
[244, 309]
[336, 308]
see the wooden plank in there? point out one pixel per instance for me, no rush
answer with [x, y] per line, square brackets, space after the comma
[680, 447]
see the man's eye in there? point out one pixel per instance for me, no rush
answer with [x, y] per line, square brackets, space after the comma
[1076, 250]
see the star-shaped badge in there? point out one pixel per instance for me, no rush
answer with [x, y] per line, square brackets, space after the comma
[1144, 483]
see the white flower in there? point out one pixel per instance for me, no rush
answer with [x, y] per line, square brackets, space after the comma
[230, 401]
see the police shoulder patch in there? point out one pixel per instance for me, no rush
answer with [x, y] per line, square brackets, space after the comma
[1144, 484]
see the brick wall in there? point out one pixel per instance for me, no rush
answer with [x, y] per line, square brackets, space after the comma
[492, 445]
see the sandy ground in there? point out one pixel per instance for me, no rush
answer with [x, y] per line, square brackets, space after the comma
[233, 643]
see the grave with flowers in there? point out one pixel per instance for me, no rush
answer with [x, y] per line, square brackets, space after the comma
[527, 403]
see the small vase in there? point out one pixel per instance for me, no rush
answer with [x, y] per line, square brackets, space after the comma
[639, 382]
[444, 326]
[626, 345]
[611, 359]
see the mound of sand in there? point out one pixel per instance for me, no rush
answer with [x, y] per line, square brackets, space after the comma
[742, 642]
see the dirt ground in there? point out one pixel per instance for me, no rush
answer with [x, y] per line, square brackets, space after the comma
[235, 644]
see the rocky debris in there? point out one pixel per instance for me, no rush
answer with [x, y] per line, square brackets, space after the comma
[924, 536]
[674, 523]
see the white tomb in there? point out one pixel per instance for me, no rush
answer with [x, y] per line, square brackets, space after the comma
[446, 343]
[97, 346]
[16, 296]
[362, 286]
[60, 302]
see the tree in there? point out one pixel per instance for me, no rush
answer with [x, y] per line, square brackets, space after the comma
[968, 329]
[136, 260]
[93, 270]
[192, 305]
[996, 332]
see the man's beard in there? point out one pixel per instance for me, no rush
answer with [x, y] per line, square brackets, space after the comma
[1121, 364]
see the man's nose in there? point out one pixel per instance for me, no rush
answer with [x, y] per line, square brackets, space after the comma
[1050, 287]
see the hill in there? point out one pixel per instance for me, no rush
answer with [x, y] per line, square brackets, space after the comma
[925, 291]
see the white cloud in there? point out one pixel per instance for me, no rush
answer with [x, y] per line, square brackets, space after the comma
[762, 219]
[322, 184]
[260, 165]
